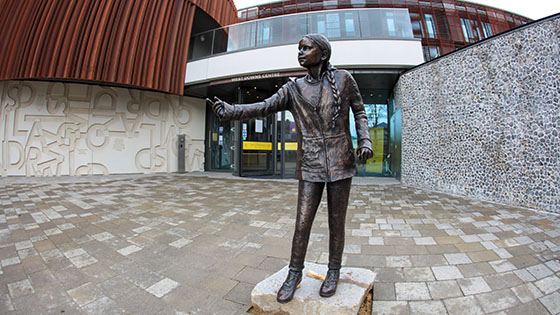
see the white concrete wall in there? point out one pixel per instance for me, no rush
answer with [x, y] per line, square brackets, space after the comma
[348, 54]
[52, 129]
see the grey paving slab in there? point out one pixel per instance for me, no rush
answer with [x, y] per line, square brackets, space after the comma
[198, 243]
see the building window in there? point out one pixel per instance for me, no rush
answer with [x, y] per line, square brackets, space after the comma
[349, 25]
[391, 24]
[430, 25]
[417, 29]
[487, 29]
[333, 26]
[467, 30]
[431, 53]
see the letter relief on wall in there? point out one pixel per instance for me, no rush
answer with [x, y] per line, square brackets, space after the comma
[52, 129]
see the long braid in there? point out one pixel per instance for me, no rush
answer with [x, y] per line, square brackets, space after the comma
[336, 95]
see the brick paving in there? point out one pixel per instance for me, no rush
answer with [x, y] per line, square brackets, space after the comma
[193, 244]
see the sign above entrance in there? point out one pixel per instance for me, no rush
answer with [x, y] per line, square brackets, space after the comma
[260, 76]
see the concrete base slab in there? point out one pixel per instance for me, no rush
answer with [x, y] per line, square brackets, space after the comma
[353, 287]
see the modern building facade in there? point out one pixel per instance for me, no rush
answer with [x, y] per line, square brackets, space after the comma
[96, 86]
[442, 25]
[374, 40]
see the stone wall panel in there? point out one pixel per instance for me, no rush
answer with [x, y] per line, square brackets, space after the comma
[485, 121]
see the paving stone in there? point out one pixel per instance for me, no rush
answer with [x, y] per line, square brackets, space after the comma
[446, 272]
[444, 289]
[457, 259]
[549, 284]
[85, 294]
[412, 291]
[471, 286]
[384, 292]
[497, 300]
[418, 274]
[551, 302]
[6, 304]
[162, 287]
[463, 305]
[116, 287]
[389, 275]
[502, 265]
[526, 292]
[503, 280]
[398, 261]
[428, 260]
[427, 307]
[390, 308]
[241, 293]
[540, 271]
[553, 265]
[524, 275]
[532, 307]
[251, 275]
[20, 288]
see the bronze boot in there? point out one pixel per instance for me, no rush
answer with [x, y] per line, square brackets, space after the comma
[288, 289]
[328, 288]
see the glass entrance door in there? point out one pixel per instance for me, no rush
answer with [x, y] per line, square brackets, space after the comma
[287, 145]
[221, 142]
[257, 151]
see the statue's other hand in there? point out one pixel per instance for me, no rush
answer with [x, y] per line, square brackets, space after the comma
[220, 108]
[364, 153]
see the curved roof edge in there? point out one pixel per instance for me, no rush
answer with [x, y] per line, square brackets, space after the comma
[140, 43]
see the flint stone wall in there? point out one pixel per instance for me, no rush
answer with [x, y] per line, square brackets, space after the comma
[484, 121]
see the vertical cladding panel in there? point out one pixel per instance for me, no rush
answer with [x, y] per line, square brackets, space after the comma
[137, 43]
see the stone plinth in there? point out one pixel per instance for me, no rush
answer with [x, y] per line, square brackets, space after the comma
[353, 287]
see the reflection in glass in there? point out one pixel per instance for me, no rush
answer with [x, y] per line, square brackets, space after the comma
[430, 25]
[379, 134]
[288, 29]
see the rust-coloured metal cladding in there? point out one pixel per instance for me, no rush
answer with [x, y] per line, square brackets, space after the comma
[140, 43]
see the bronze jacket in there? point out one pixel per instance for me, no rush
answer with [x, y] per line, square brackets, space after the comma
[325, 151]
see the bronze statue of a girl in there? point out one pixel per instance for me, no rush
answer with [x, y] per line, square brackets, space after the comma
[320, 103]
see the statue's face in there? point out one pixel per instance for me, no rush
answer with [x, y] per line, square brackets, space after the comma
[309, 54]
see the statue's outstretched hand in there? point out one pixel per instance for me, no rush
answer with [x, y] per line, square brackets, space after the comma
[222, 109]
[364, 153]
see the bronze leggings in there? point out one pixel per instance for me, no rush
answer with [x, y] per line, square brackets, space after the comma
[309, 197]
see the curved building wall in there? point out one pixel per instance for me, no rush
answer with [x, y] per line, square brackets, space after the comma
[57, 128]
[443, 25]
[137, 43]
[484, 121]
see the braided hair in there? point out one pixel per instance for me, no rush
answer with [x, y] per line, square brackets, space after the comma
[323, 43]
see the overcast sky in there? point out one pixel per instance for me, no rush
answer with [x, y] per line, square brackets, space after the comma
[533, 9]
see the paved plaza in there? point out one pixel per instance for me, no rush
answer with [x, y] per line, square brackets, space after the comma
[198, 244]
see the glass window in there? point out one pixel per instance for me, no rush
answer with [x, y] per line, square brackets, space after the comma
[487, 29]
[434, 52]
[431, 52]
[391, 24]
[263, 35]
[476, 30]
[467, 30]
[417, 29]
[430, 25]
[242, 36]
[349, 25]
[333, 25]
